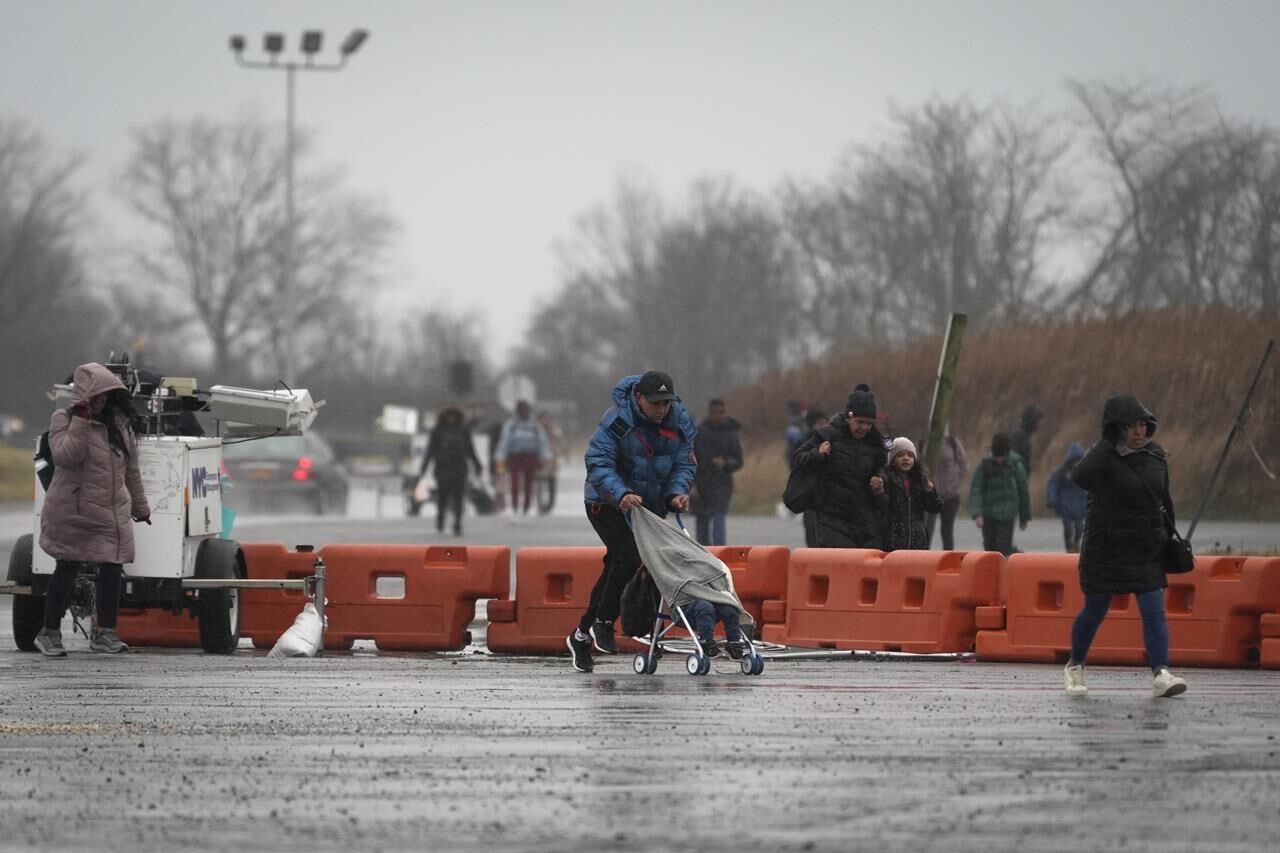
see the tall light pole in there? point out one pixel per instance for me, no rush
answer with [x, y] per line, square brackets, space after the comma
[273, 47]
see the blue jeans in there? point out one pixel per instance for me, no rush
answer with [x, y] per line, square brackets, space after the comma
[1155, 629]
[710, 528]
[1072, 530]
[704, 615]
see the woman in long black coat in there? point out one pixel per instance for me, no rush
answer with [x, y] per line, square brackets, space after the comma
[1126, 474]
[450, 448]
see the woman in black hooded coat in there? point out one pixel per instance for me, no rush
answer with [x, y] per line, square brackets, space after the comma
[1126, 474]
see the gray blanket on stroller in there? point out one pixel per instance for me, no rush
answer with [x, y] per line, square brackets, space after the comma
[682, 569]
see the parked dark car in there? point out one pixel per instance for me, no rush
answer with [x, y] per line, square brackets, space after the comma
[285, 474]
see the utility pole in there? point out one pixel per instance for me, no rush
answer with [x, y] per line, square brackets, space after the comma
[273, 46]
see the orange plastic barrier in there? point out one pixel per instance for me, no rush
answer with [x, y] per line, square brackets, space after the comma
[402, 597]
[265, 614]
[912, 601]
[158, 628]
[1270, 627]
[1214, 614]
[759, 574]
[553, 588]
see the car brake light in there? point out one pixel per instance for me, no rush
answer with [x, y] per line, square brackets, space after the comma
[303, 471]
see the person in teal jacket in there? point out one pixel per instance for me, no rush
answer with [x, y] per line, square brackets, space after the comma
[641, 454]
[998, 496]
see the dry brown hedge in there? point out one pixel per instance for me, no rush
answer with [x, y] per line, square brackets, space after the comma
[1190, 367]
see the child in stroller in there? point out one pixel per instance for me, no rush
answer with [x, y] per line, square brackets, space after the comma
[697, 590]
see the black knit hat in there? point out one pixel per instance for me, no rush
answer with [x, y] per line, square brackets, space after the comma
[862, 403]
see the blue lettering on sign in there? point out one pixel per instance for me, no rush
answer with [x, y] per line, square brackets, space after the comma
[198, 487]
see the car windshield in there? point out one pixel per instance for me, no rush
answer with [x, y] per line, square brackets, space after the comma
[281, 447]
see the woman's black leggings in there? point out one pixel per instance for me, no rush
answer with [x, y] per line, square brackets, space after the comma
[107, 605]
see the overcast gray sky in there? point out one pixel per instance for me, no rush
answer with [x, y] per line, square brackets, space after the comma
[488, 126]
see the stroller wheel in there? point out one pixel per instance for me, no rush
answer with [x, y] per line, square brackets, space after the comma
[706, 666]
[653, 666]
[640, 664]
[748, 666]
[693, 665]
[757, 665]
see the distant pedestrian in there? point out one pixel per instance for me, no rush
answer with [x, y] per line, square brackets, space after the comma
[795, 431]
[522, 449]
[1127, 477]
[719, 453]
[641, 454]
[953, 470]
[1067, 499]
[450, 449]
[905, 493]
[550, 470]
[845, 454]
[1020, 438]
[815, 420]
[998, 496]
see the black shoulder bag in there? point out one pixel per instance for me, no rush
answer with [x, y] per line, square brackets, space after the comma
[1176, 553]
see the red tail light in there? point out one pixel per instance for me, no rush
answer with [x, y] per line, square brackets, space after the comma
[303, 471]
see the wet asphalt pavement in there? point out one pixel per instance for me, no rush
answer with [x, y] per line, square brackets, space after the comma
[161, 750]
[154, 750]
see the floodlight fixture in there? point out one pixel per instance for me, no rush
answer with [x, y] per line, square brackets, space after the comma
[237, 43]
[311, 40]
[273, 43]
[353, 41]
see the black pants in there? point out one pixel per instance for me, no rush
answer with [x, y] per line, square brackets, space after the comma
[107, 593]
[449, 494]
[950, 507]
[997, 535]
[810, 519]
[621, 559]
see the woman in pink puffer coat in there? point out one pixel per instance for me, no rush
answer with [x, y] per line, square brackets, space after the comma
[89, 510]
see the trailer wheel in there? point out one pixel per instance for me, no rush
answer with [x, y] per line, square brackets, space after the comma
[28, 610]
[218, 610]
[28, 618]
[20, 560]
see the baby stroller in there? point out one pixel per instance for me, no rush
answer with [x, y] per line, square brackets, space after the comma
[683, 570]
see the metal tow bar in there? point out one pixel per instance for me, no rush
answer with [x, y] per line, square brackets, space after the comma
[313, 586]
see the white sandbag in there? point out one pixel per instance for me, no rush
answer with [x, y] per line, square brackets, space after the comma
[303, 638]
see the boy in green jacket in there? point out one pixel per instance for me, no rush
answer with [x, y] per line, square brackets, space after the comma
[999, 495]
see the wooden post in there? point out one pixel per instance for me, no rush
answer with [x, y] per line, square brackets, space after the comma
[940, 410]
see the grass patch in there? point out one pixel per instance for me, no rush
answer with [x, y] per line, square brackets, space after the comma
[15, 474]
[1191, 368]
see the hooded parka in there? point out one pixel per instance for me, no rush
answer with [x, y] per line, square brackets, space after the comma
[96, 490]
[1124, 530]
[848, 514]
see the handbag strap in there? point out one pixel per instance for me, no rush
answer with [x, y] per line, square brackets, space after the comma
[1164, 512]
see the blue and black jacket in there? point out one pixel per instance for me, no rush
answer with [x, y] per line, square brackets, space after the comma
[630, 453]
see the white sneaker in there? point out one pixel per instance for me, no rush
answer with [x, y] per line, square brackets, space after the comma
[1073, 680]
[1166, 684]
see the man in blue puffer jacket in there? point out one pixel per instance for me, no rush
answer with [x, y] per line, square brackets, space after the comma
[641, 454]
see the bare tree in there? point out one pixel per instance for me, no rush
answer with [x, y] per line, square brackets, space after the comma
[49, 321]
[1190, 216]
[213, 194]
[950, 212]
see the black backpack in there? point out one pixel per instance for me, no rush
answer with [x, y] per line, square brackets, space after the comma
[801, 489]
[44, 461]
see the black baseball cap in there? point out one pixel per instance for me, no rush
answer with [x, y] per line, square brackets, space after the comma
[656, 386]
